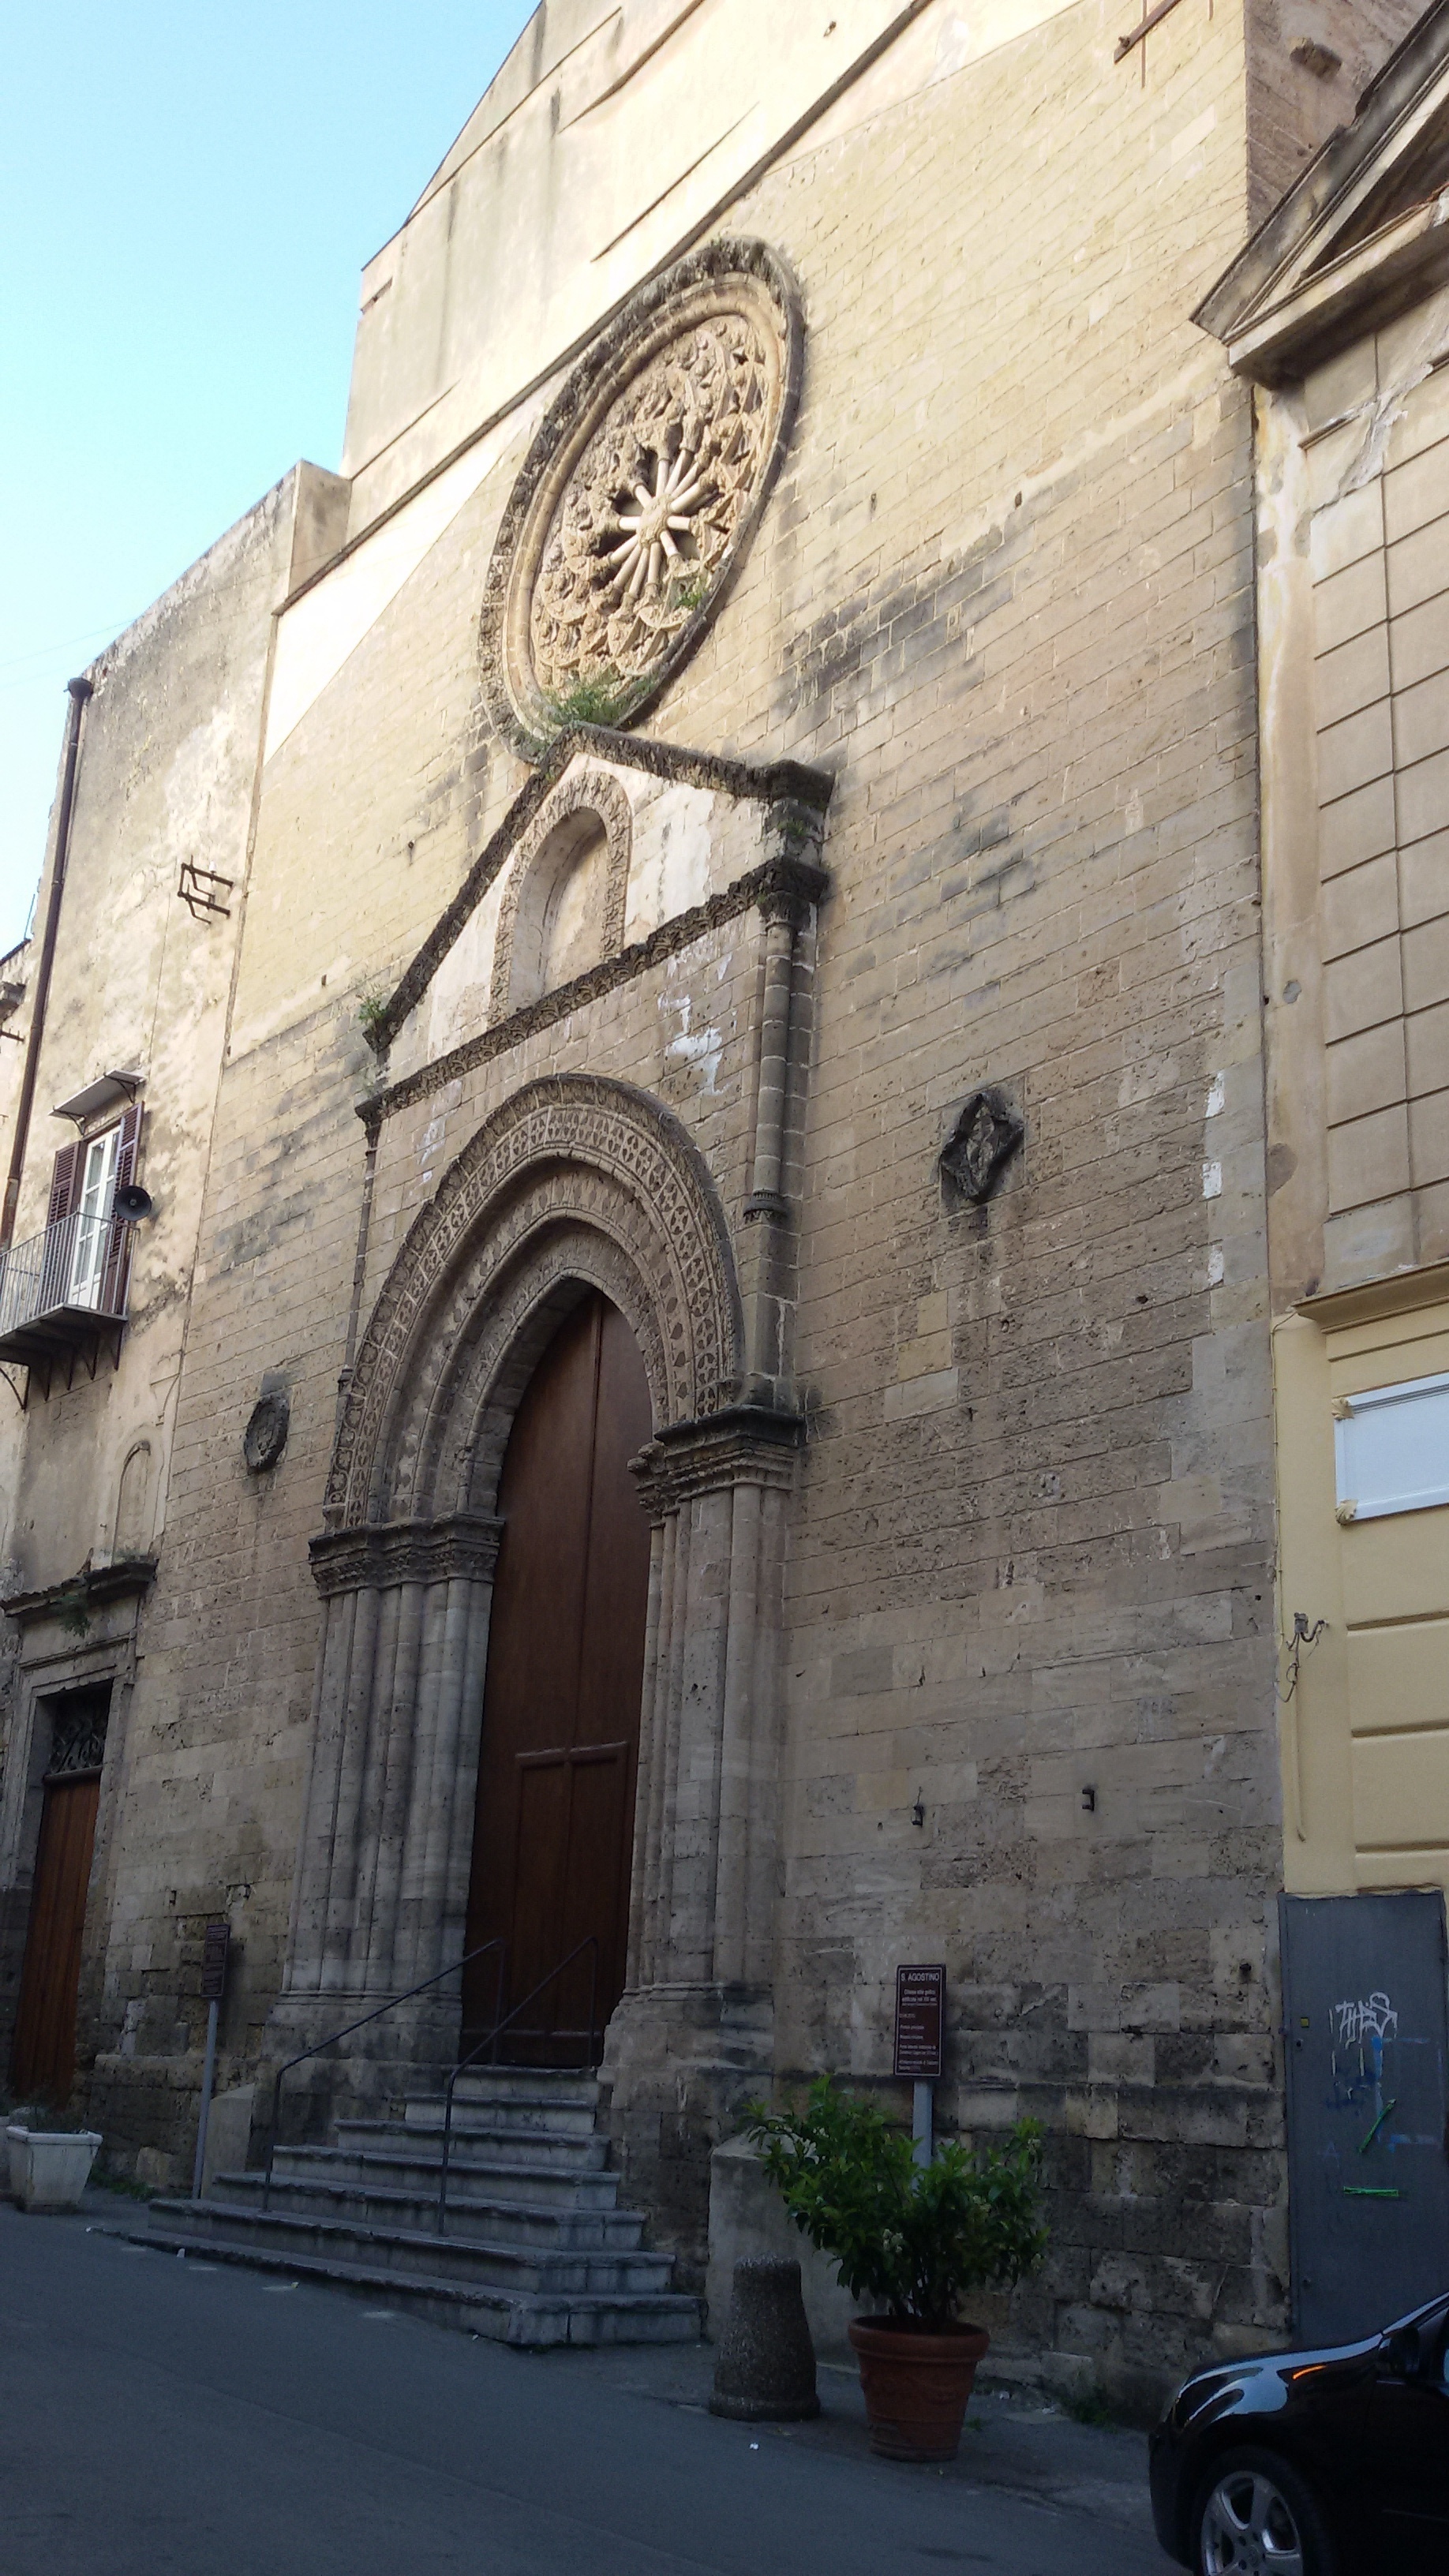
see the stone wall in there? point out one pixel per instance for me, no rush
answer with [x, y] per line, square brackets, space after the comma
[1310, 61]
[1003, 590]
[142, 982]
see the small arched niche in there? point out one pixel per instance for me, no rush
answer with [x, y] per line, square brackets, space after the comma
[133, 1503]
[573, 927]
[561, 925]
[563, 905]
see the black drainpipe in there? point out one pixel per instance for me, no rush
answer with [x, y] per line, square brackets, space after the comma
[80, 691]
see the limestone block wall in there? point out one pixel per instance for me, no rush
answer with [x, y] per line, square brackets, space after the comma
[1035, 1549]
[1003, 590]
[166, 778]
[167, 768]
[210, 1802]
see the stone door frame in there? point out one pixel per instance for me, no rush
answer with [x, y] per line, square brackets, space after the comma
[575, 1182]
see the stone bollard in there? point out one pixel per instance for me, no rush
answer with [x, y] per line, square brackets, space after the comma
[766, 2368]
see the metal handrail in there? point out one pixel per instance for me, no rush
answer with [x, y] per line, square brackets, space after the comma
[361, 2024]
[78, 1265]
[491, 2039]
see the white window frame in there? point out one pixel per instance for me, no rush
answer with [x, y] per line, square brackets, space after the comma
[1391, 1449]
[93, 1219]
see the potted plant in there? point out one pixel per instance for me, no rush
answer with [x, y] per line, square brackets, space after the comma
[910, 2241]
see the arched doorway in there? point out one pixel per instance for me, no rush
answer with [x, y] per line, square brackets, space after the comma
[553, 1835]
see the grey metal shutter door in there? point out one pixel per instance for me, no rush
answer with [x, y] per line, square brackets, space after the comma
[1364, 1988]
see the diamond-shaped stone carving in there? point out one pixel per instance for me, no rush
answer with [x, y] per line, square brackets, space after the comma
[981, 1143]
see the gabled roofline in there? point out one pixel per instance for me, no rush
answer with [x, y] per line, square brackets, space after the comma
[1286, 300]
[779, 782]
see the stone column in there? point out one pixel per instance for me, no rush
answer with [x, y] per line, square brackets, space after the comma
[766, 1252]
[691, 2037]
[382, 1873]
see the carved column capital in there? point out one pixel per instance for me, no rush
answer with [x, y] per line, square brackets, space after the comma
[745, 1444]
[790, 885]
[383, 1553]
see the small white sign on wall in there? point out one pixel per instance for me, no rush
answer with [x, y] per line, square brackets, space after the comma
[1392, 1449]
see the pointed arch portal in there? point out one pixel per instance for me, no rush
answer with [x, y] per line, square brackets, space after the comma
[498, 1517]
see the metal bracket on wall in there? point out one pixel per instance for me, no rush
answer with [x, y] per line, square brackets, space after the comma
[1302, 1641]
[198, 890]
[1137, 35]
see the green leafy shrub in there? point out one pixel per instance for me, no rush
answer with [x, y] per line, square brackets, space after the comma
[909, 2240]
[73, 1610]
[601, 697]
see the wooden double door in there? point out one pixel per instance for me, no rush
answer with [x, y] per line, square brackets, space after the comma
[553, 1838]
[42, 2062]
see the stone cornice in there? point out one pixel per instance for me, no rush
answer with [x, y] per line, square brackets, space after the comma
[744, 1444]
[386, 1553]
[1360, 235]
[787, 783]
[795, 883]
[92, 1589]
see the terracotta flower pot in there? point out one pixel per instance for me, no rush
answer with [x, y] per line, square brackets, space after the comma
[916, 2385]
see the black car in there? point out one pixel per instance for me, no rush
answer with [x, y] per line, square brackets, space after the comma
[1312, 2463]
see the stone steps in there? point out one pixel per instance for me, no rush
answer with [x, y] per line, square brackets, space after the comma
[504, 2115]
[493, 2263]
[535, 2251]
[483, 2139]
[470, 2214]
[533, 2323]
[415, 2167]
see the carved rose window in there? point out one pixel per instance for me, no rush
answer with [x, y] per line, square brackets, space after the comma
[639, 493]
[654, 500]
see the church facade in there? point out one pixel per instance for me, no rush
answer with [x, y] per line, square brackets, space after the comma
[676, 953]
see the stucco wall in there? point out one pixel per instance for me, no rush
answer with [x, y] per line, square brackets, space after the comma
[1354, 514]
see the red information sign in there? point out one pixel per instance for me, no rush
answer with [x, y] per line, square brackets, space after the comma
[920, 2022]
[214, 1946]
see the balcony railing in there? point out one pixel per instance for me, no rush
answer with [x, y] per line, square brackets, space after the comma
[64, 1291]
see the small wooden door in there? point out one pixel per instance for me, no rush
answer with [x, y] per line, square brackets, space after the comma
[43, 2055]
[553, 1839]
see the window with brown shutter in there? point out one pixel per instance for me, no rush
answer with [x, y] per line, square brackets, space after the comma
[56, 1258]
[62, 1183]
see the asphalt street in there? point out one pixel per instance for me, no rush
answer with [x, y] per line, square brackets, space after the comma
[165, 2417]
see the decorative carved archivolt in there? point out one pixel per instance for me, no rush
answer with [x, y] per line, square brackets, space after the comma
[640, 492]
[586, 791]
[574, 1179]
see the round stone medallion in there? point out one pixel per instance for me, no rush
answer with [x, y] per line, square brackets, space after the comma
[638, 495]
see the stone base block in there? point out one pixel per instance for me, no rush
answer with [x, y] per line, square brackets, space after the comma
[747, 2217]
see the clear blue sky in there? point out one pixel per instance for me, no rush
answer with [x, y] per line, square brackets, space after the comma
[188, 195]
